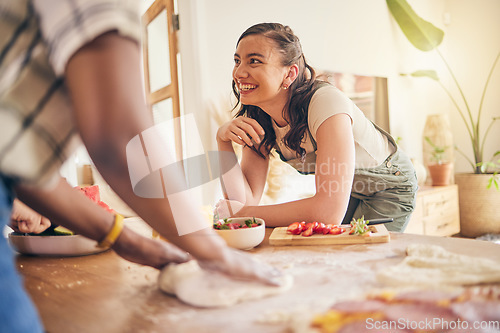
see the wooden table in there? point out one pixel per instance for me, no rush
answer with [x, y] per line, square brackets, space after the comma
[104, 293]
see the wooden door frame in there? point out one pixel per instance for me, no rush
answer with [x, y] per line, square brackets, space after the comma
[171, 90]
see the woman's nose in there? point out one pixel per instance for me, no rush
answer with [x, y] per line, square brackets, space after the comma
[240, 72]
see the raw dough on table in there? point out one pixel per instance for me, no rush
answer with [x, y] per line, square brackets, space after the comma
[431, 265]
[202, 288]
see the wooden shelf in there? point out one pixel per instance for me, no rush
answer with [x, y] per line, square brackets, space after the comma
[436, 212]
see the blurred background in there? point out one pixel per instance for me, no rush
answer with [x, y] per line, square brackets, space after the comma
[188, 55]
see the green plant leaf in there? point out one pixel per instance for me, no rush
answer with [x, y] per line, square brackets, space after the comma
[432, 74]
[422, 34]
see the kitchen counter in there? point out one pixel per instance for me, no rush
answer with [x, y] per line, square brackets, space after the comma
[104, 293]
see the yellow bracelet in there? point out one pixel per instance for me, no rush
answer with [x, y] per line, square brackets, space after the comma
[113, 234]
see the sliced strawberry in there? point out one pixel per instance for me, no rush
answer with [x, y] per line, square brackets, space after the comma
[295, 228]
[318, 229]
[311, 225]
[308, 232]
[327, 228]
[234, 226]
[336, 230]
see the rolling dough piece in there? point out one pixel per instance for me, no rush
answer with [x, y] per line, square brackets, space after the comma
[431, 265]
[202, 288]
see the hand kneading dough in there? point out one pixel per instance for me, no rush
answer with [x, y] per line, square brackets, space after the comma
[431, 265]
[202, 288]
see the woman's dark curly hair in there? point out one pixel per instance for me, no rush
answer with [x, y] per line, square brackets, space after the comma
[301, 90]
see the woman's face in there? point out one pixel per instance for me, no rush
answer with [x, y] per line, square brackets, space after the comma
[258, 72]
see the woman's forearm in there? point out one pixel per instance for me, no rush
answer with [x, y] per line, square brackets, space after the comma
[326, 210]
[233, 182]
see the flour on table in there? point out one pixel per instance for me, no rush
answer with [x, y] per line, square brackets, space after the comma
[431, 265]
[202, 288]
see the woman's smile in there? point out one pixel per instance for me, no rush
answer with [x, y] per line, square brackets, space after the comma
[246, 88]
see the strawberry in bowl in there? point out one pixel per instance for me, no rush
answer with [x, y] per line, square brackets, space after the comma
[242, 233]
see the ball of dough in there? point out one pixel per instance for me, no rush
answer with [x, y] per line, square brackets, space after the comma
[202, 288]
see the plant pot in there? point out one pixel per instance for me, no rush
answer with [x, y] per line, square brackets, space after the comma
[479, 206]
[440, 173]
[437, 128]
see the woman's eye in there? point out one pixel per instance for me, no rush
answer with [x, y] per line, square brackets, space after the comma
[236, 61]
[255, 61]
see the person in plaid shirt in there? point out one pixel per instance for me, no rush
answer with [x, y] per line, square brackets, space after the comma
[70, 70]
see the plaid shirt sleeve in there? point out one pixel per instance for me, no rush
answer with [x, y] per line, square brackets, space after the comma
[37, 128]
[68, 24]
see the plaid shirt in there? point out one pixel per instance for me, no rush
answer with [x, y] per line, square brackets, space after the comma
[37, 38]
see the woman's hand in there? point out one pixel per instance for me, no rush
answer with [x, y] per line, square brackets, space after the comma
[242, 266]
[25, 220]
[241, 130]
[227, 208]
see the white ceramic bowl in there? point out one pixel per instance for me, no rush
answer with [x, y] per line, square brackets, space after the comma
[246, 238]
[64, 246]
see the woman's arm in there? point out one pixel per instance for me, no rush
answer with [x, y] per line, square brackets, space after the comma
[334, 176]
[244, 184]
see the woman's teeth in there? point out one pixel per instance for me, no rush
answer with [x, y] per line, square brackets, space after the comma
[246, 87]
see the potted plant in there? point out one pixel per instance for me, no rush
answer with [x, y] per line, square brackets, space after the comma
[440, 171]
[479, 209]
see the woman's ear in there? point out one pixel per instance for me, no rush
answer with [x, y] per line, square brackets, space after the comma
[293, 72]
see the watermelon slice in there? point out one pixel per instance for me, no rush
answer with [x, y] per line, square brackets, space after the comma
[105, 206]
[92, 192]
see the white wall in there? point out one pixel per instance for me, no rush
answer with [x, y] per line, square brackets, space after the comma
[473, 41]
[356, 36]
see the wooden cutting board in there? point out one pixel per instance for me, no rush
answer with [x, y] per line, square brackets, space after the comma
[280, 237]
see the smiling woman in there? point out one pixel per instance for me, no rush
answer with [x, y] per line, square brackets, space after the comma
[315, 128]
